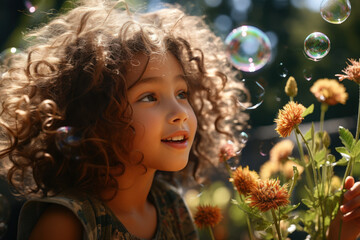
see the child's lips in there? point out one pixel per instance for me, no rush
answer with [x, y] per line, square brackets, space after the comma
[178, 144]
[177, 140]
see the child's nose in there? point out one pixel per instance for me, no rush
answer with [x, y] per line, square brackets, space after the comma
[178, 114]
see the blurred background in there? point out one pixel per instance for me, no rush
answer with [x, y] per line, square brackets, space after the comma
[286, 23]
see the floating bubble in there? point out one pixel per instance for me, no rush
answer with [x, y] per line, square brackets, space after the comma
[307, 74]
[252, 98]
[316, 46]
[335, 11]
[282, 70]
[248, 48]
[65, 140]
[244, 137]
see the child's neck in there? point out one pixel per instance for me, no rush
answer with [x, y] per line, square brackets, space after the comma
[131, 204]
[134, 188]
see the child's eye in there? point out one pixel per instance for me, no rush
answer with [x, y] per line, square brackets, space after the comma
[148, 98]
[183, 95]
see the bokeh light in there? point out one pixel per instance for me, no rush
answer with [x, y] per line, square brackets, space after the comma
[335, 11]
[223, 23]
[213, 3]
[316, 46]
[248, 48]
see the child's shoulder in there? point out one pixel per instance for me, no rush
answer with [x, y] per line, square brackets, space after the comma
[64, 208]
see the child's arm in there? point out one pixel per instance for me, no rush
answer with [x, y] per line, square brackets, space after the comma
[349, 213]
[57, 223]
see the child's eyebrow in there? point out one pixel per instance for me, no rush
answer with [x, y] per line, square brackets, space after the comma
[157, 79]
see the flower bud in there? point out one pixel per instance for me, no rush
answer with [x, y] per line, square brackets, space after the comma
[326, 139]
[291, 87]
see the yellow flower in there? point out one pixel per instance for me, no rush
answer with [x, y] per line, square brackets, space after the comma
[281, 151]
[352, 71]
[329, 91]
[207, 216]
[288, 118]
[244, 180]
[227, 151]
[269, 195]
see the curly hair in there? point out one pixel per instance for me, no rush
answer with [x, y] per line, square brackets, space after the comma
[71, 77]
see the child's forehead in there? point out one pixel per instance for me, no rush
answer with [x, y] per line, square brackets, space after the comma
[143, 65]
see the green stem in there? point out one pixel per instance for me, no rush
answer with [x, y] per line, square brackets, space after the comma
[211, 233]
[310, 154]
[249, 227]
[251, 236]
[358, 120]
[307, 173]
[277, 224]
[324, 108]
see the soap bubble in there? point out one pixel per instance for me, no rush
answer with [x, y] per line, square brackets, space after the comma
[253, 97]
[316, 46]
[335, 11]
[65, 140]
[307, 74]
[244, 137]
[248, 48]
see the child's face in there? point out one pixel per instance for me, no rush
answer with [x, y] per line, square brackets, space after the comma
[164, 122]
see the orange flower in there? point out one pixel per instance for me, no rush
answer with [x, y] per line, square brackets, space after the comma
[329, 91]
[352, 71]
[281, 151]
[269, 168]
[288, 118]
[227, 151]
[269, 195]
[207, 216]
[244, 180]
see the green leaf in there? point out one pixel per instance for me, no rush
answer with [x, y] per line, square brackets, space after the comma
[320, 157]
[307, 202]
[309, 134]
[343, 151]
[342, 162]
[308, 111]
[356, 150]
[346, 138]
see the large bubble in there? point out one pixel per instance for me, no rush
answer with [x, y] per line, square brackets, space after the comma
[248, 48]
[335, 11]
[316, 46]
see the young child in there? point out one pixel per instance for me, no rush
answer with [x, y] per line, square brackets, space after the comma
[102, 108]
[101, 111]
